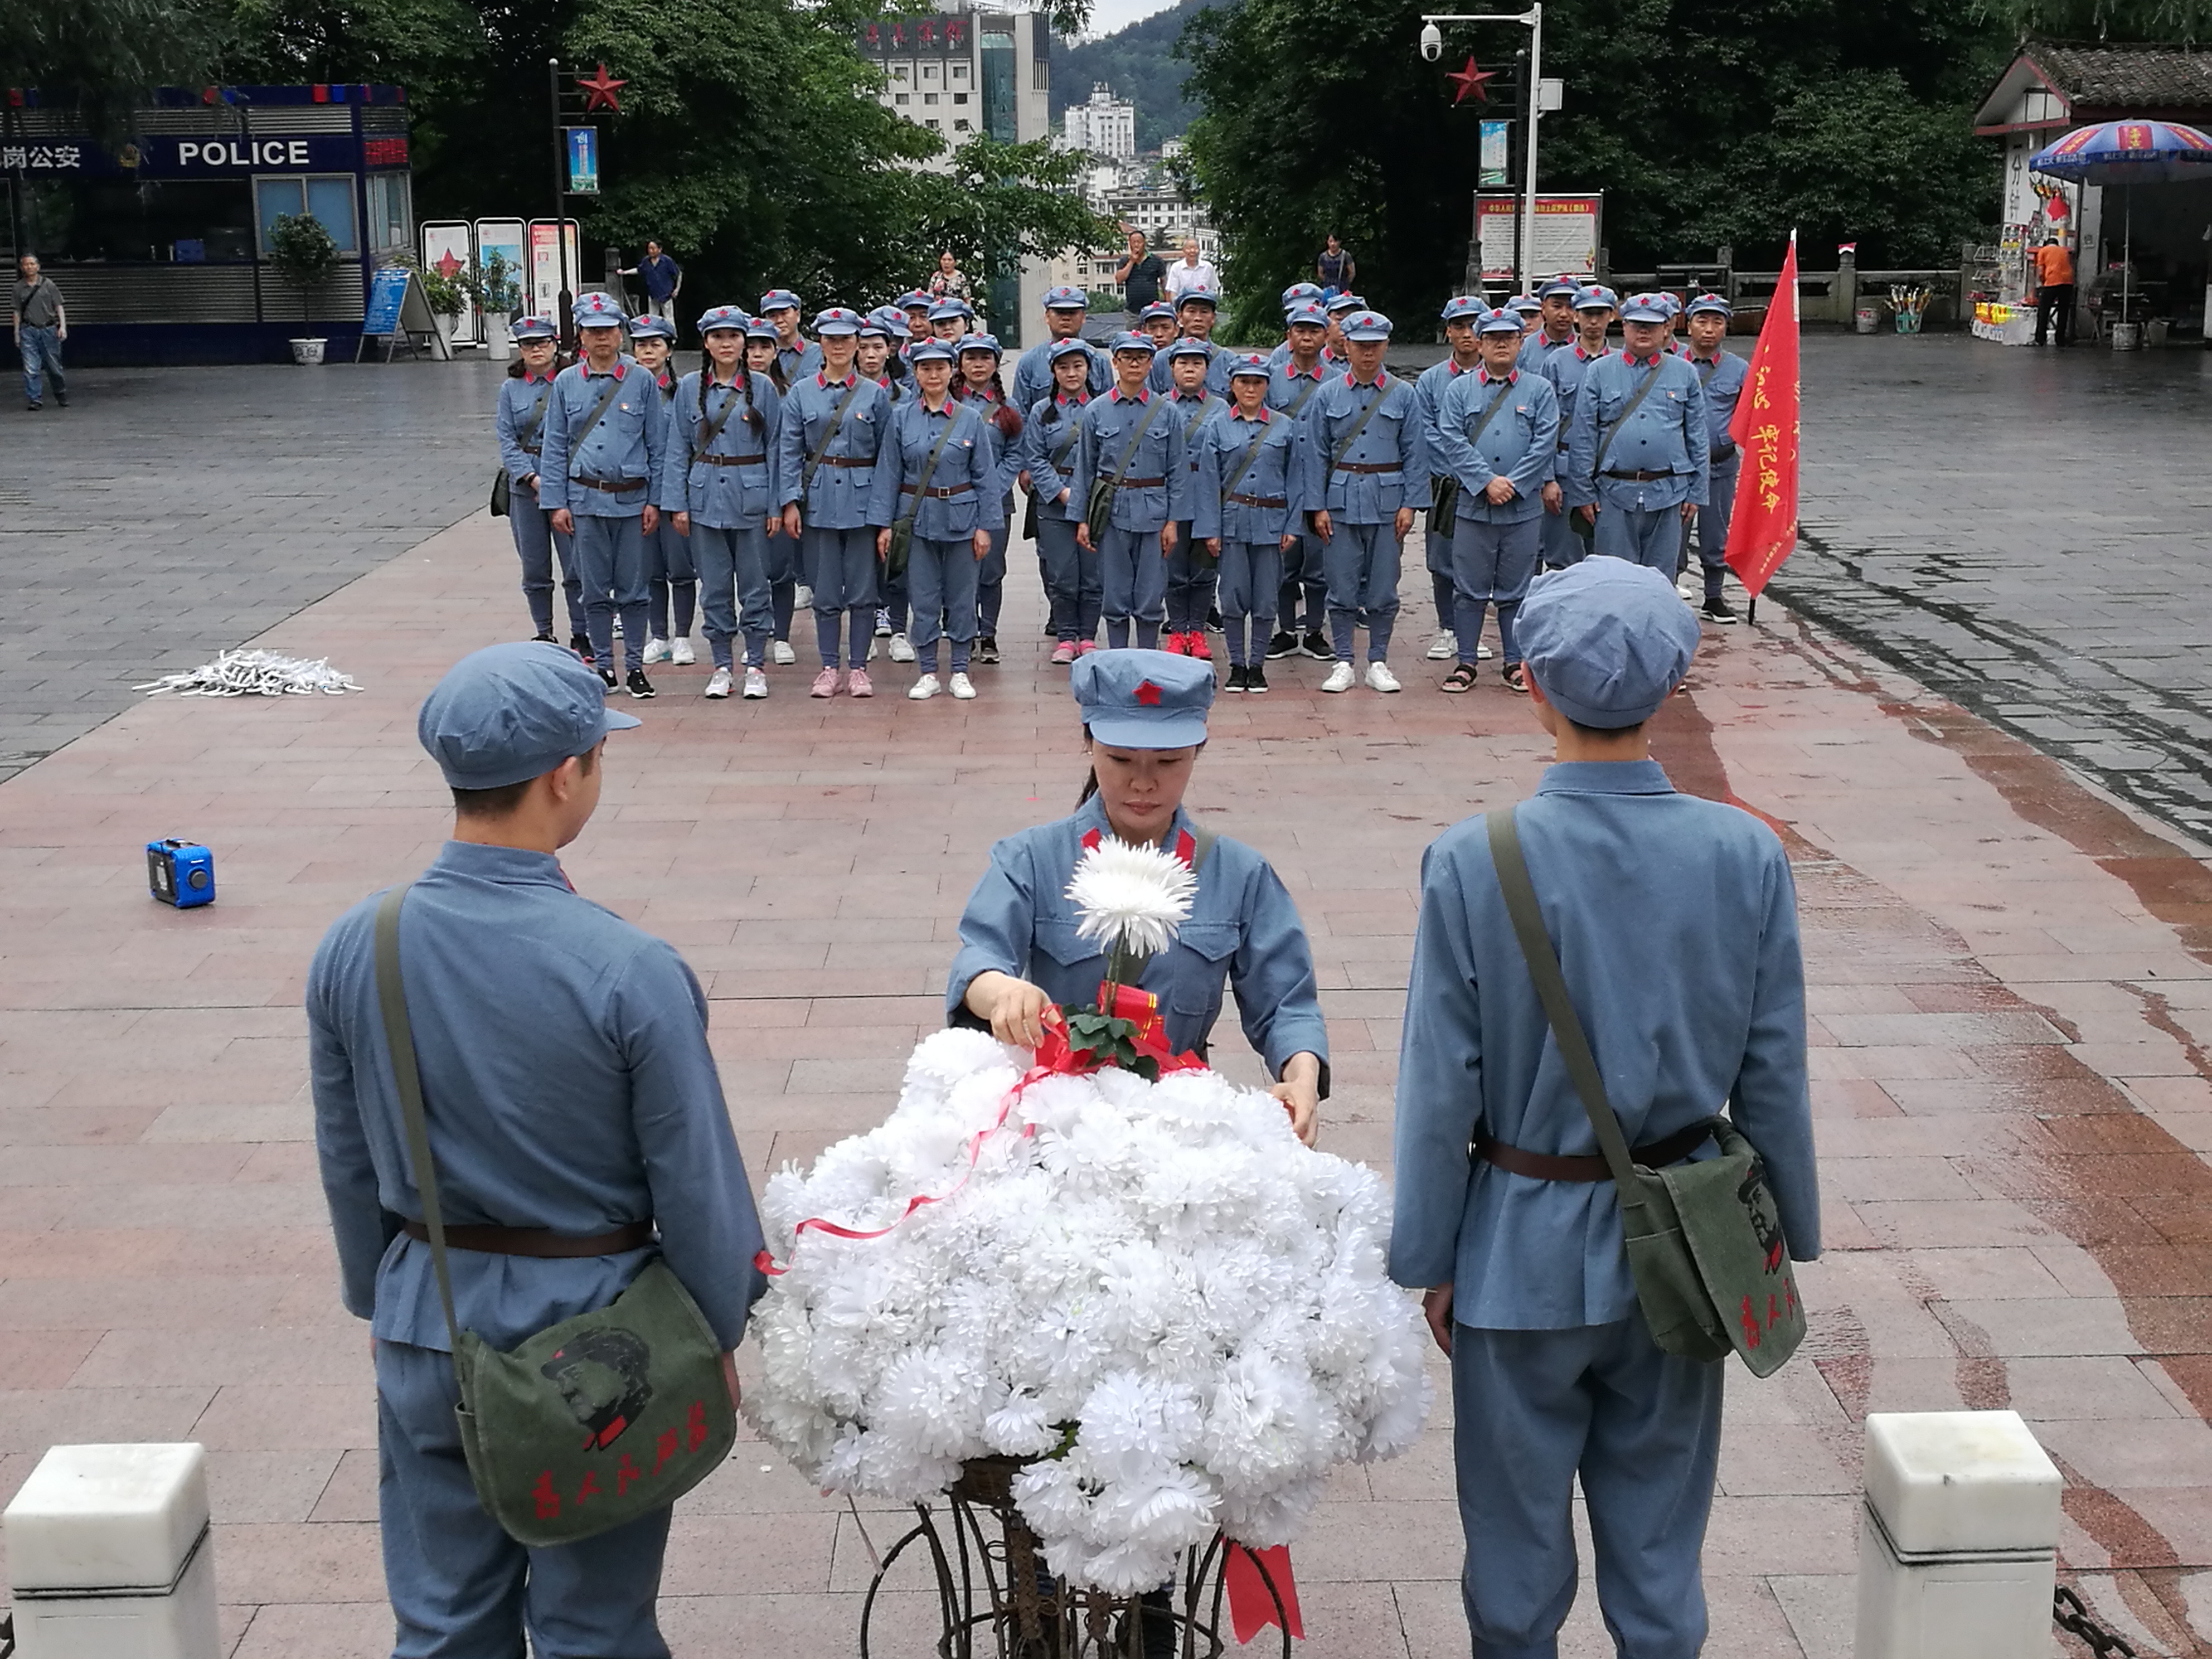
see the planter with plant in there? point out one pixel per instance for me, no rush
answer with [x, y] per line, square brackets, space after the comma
[304, 253]
[491, 284]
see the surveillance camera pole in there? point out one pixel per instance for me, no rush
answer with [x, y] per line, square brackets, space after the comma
[1533, 21]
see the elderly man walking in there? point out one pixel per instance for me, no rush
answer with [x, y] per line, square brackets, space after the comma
[41, 325]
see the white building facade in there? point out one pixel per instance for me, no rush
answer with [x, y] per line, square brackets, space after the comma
[1105, 127]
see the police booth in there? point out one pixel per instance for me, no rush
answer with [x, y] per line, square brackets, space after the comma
[159, 241]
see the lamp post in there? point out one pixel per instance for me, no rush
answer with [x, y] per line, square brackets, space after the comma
[567, 299]
[1433, 47]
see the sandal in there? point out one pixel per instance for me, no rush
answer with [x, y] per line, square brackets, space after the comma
[1461, 678]
[1516, 678]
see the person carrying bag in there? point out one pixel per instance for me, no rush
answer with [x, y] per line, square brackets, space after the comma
[1597, 974]
[536, 1198]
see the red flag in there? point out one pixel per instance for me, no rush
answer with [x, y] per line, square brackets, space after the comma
[1764, 530]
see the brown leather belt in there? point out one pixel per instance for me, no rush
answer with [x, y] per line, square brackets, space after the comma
[1142, 483]
[537, 1241]
[1548, 1166]
[1640, 478]
[734, 460]
[848, 460]
[1260, 501]
[533, 449]
[1369, 466]
[941, 492]
[611, 486]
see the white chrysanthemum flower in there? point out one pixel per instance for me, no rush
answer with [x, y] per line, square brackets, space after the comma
[1136, 897]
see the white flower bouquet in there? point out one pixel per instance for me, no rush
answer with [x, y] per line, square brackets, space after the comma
[1149, 1290]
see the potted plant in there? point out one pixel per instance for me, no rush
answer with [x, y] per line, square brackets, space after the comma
[491, 284]
[301, 248]
[447, 299]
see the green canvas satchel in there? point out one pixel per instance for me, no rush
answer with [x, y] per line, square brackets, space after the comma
[592, 1422]
[1705, 1240]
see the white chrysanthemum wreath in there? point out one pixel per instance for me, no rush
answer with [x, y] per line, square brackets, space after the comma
[1150, 1290]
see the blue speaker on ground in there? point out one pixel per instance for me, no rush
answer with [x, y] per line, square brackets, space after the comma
[180, 872]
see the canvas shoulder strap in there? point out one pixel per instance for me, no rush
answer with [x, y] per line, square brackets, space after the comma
[1634, 403]
[829, 433]
[399, 1039]
[1303, 398]
[598, 413]
[1202, 840]
[1344, 444]
[1129, 450]
[710, 429]
[1251, 455]
[1206, 405]
[526, 432]
[1066, 447]
[1504, 396]
[1520, 894]
[929, 466]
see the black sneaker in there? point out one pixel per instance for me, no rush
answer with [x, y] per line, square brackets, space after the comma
[61, 397]
[1256, 679]
[582, 645]
[607, 678]
[1213, 620]
[543, 639]
[639, 685]
[1282, 643]
[1317, 647]
[986, 648]
[1235, 680]
[29, 406]
[1715, 608]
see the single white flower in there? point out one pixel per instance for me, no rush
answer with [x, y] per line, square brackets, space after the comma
[1135, 897]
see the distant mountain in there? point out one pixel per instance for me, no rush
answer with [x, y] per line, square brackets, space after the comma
[1137, 63]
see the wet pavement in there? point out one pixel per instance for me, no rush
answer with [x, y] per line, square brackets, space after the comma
[2028, 532]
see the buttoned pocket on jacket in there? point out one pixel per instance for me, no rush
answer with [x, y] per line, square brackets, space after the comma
[1197, 989]
[1056, 937]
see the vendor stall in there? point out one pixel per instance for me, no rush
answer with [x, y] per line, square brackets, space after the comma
[160, 242]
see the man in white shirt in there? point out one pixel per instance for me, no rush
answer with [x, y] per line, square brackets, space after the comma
[1190, 271]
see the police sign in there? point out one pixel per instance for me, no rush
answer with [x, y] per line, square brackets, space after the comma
[242, 153]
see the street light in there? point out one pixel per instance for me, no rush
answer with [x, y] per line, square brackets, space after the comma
[1432, 48]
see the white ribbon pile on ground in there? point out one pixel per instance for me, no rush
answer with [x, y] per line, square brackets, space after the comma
[256, 674]
[1152, 1289]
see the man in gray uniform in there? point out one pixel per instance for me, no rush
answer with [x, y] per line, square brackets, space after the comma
[578, 1128]
[1676, 924]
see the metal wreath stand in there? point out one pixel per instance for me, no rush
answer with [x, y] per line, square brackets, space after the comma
[995, 1600]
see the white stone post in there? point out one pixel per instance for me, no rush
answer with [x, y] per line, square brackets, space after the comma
[1958, 1538]
[108, 1555]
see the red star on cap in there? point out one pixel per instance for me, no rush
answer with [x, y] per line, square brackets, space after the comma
[1470, 79]
[1149, 695]
[600, 89]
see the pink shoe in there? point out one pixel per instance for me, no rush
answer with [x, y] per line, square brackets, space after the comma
[825, 684]
[1085, 647]
[858, 685]
[1176, 644]
[1063, 653]
[1197, 645]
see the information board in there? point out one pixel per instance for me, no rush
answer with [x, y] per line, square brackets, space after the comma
[448, 248]
[1566, 240]
[545, 265]
[387, 288]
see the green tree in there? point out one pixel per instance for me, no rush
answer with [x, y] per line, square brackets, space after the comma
[1001, 204]
[103, 55]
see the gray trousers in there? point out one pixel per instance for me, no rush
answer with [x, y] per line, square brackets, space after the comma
[1641, 535]
[1491, 564]
[537, 543]
[460, 1588]
[733, 591]
[1361, 563]
[1072, 579]
[1193, 577]
[1534, 1409]
[1709, 533]
[1301, 577]
[611, 562]
[669, 571]
[941, 577]
[1250, 576]
[1562, 546]
[1132, 586]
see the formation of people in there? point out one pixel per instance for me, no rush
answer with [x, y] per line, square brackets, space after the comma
[1174, 488]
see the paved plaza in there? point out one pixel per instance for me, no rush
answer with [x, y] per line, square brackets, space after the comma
[2011, 978]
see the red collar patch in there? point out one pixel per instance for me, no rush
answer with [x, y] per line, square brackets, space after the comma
[1185, 847]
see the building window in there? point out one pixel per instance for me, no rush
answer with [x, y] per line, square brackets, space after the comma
[934, 125]
[329, 199]
[960, 72]
[928, 97]
[1041, 82]
[391, 217]
[959, 97]
[929, 71]
[904, 97]
[963, 126]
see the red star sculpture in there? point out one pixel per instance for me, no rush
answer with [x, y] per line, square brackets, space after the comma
[1470, 79]
[1149, 695]
[446, 265]
[600, 89]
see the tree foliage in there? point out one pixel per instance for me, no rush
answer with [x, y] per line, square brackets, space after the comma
[1140, 64]
[103, 55]
[1705, 122]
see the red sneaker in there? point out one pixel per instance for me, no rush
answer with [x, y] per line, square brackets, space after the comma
[1197, 645]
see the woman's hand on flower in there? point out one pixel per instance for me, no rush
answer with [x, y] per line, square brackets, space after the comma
[1437, 1309]
[1015, 1008]
[1300, 1092]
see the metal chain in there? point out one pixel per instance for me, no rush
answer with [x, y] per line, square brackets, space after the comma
[2071, 1614]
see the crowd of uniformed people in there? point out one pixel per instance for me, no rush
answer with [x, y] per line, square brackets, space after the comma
[1175, 489]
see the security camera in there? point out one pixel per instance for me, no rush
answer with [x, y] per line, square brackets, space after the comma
[1432, 42]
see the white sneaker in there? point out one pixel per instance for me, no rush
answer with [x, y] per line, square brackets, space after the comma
[1380, 679]
[1690, 586]
[882, 621]
[1444, 648]
[1339, 678]
[902, 648]
[756, 683]
[923, 689]
[781, 654]
[875, 646]
[718, 683]
[680, 652]
[963, 687]
[802, 597]
[1482, 653]
[656, 650]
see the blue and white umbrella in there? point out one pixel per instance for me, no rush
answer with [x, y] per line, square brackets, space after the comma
[2127, 154]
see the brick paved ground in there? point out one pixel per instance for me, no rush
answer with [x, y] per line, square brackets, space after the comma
[2012, 981]
[2011, 985]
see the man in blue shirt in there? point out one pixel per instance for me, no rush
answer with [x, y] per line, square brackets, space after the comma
[663, 278]
[603, 438]
[1461, 313]
[1637, 456]
[1722, 374]
[1132, 439]
[1675, 921]
[577, 1129]
[1065, 311]
[1296, 371]
[1555, 330]
[1567, 537]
